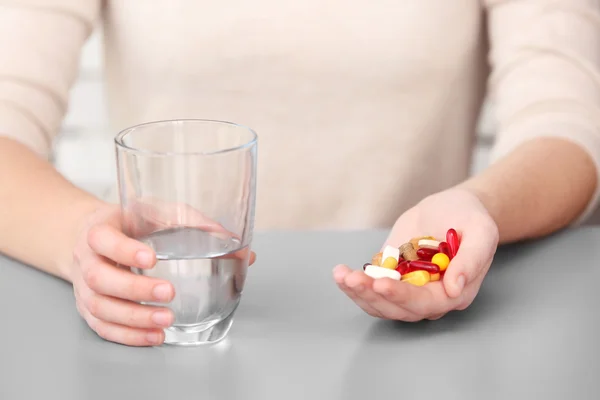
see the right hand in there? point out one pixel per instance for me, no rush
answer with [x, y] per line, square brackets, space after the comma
[108, 295]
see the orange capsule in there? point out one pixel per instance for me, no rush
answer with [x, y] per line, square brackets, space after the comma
[417, 278]
[376, 260]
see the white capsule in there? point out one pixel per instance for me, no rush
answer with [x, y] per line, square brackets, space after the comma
[429, 244]
[379, 272]
[390, 251]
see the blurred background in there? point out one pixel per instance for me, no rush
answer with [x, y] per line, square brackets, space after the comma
[84, 150]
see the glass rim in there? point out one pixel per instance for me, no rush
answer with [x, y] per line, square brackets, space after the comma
[120, 143]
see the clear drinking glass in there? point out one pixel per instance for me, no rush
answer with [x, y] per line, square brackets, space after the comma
[187, 189]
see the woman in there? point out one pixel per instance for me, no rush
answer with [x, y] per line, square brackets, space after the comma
[366, 115]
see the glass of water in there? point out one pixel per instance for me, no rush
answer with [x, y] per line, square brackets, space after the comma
[187, 189]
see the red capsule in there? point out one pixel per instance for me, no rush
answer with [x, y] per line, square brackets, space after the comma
[452, 239]
[426, 254]
[402, 267]
[444, 248]
[423, 266]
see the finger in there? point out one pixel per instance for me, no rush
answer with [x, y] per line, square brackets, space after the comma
[127, 313]
[357, 281]
[366, 307]
[422, 301]
[436, 317]
[339, 274]
[122, 334]
[113, 244]
[109, 280]
[387, 308]
[470, 293]
[477, 248]
[362, 286]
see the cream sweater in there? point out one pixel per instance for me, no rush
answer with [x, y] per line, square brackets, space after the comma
[362, 107]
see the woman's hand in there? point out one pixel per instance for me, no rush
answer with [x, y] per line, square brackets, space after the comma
[390, 299]
[108, 294]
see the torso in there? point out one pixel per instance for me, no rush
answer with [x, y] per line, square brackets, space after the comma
[362, 108]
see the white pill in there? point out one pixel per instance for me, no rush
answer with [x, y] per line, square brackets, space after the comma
[429, 244]
[379, 272]
[390, 251]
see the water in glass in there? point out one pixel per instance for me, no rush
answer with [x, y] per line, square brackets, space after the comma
[207, 270]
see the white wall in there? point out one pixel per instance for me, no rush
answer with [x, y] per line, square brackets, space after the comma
[86, 139]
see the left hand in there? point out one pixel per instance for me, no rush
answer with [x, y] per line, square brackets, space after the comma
[455, 208]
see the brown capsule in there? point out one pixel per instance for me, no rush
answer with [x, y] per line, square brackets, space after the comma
[411, 255]
[406, 246]
[408, 252]
[376, 260]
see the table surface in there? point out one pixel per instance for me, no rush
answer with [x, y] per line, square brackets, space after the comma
[532, 332]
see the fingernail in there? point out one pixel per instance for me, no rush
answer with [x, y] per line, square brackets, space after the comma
[162, 318]
[460, 283]
[162, 292]
[154, 338]
[143, 258]
[338, 274]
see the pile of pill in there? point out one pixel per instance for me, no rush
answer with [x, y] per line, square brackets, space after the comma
[419, 261]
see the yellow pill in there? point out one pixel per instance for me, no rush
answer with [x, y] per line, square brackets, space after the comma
[390, 263]
[441, 260]
[417, 278]
[376, 260]
[435, 277]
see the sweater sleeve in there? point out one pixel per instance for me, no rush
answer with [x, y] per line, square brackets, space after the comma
[40, 46]
[545, 81]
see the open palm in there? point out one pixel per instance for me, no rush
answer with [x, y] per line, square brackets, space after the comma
[398, 300]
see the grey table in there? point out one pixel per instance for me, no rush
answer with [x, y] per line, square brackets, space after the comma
[533, 332]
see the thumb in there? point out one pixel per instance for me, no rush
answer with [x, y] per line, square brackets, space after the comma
[474, 256]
